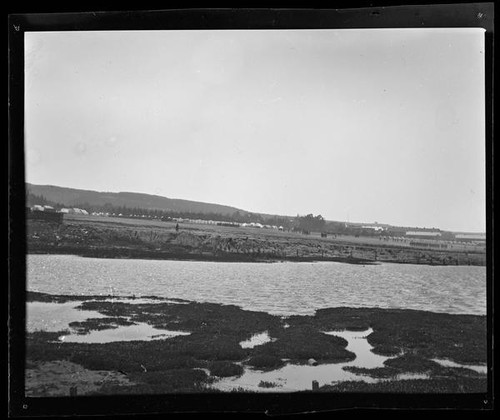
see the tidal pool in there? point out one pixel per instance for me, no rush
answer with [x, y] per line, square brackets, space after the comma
[53, 317]
[292, 377]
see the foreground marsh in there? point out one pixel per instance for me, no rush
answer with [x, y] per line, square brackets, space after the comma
[379, 348]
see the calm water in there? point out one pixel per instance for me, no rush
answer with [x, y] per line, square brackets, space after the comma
[278, 288]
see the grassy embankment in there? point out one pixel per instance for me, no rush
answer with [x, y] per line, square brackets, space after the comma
[212, 350]
[130, 238]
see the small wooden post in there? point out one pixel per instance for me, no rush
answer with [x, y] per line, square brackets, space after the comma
[73, 391]
[315, 385]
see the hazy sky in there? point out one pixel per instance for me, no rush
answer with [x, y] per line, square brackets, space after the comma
[359, 125]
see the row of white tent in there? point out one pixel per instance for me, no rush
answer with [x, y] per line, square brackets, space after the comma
[72, 210]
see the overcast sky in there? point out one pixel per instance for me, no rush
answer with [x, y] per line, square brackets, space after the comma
[358, 125]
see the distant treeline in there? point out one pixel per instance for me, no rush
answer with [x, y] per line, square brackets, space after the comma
[236, 217]
[305, 224]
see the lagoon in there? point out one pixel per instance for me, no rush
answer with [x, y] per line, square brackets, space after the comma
[277, 288]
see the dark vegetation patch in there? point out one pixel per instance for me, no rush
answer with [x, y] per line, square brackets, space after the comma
[111, 309]
[412, 363]
[299, 344]
[206, 347]
[225, 369]
[124, 356]
[416, 364]
[461, 338]
[266, 384]
[381, 372]
[98, 324]
[265, 362]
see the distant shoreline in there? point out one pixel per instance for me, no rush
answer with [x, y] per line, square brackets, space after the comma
[103, 238]
[130, 253]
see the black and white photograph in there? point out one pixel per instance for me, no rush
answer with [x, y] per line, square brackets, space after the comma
[255, 211]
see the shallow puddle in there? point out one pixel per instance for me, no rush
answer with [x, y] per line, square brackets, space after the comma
[53, 317]
[137, 332]
[358, 344]
[257, 340]
[410, 376]
[450, 363]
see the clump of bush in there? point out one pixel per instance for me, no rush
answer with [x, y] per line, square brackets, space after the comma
[412, 363]
[266, 384]
[301, 343]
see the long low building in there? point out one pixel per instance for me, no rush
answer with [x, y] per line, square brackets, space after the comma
[476, 237]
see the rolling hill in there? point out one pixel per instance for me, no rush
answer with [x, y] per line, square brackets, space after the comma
[71, 197]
